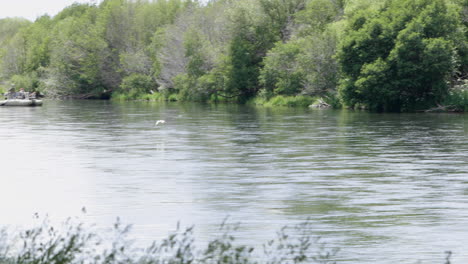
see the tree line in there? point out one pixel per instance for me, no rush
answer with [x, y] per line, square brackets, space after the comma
[385, 55]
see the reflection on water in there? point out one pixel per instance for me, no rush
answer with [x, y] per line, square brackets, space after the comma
[386, 188]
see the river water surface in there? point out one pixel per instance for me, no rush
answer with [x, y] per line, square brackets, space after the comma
[384, 188]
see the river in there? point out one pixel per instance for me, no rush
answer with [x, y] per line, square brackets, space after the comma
[384, 188]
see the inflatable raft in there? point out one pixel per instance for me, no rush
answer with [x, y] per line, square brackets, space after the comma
[21, 102]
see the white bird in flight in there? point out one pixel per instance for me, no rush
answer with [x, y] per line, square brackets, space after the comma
[160, 122]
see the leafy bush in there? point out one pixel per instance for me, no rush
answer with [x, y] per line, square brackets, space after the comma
[29, 82]
[457, 100]
[173, 98]
[288, 101]
[400, 57]
[333, 100]
[191, 88]
[151, 97]
[136, 85]
[119, 97]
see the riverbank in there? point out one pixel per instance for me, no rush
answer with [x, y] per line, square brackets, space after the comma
[455, 101]
[300, 101]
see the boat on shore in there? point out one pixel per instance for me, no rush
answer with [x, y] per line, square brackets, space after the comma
[21, 102]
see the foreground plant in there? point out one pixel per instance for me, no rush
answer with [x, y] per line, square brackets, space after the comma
[73, 242]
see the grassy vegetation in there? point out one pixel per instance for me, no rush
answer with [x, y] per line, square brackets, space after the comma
[295, 101]
[73, 242]
[457, 98]
[153, 97]
[289, 101]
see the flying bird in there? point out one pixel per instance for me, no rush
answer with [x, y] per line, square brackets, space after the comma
[160, 122]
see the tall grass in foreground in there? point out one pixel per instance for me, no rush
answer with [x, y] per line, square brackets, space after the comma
[73, 242]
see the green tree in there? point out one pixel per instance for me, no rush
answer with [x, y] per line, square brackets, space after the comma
[282, 74]
[280, 15]
[196, 66]
[401, 56]
[317, 16]
[77, 55]
[305, 64]
[251, 39]
[243, 75]
[13, 46]
[319, 64]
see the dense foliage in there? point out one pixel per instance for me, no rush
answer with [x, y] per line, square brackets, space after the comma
[386, 55]
[402, 55]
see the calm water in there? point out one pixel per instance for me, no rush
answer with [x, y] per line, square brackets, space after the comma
[385, 188]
